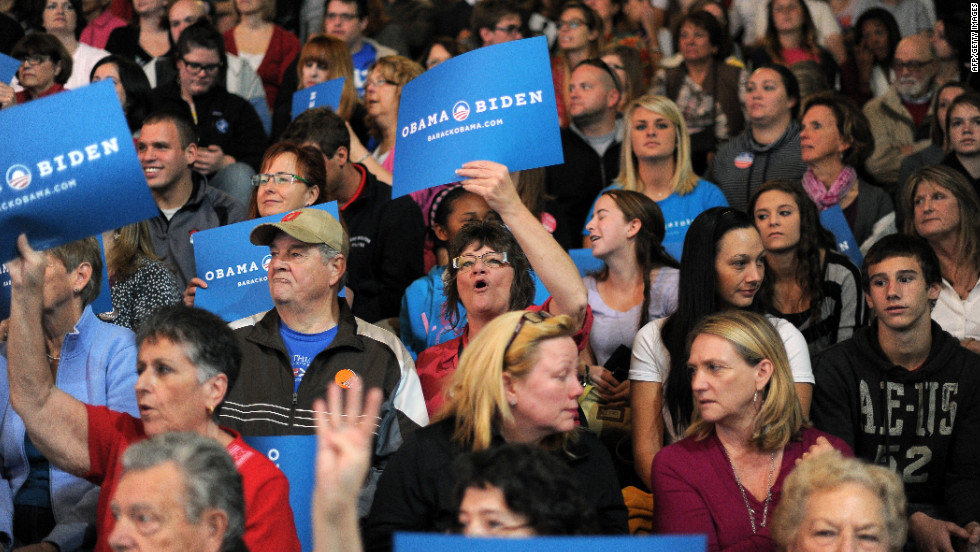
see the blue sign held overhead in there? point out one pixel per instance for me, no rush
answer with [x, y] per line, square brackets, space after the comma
[325, 94]
[235, 270]
[8, 68]
[76, 176]
[427, 542]
[496, 103]
[295, 456]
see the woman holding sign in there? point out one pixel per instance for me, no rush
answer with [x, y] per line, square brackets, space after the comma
[88, 359]
[45, 68]
[836, 137]
[810, 284]
[489, 273]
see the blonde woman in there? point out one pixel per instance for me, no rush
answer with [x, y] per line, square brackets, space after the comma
[747, 433]
[517, 382]
[659, 166]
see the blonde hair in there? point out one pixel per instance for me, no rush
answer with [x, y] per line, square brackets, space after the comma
[397, 69]
[475, 393]
[684, 179]
[335, 55]
[780, 418]
[828, 472]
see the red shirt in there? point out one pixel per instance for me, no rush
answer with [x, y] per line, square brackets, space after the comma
[23, 97]
[269, 524]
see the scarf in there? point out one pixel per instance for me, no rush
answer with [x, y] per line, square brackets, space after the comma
[828, 197]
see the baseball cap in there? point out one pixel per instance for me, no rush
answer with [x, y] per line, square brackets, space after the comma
[308, 225]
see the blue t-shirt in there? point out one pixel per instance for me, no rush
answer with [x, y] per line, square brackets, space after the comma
[303, 347]
[363, 60]
[679, 212]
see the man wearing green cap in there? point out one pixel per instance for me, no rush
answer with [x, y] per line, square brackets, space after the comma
[311, 338]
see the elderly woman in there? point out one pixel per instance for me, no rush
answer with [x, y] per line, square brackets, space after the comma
[231, 137]
[705, 86]
[45, 68]
[725, 478]
[836, 138]
[943, 209]
[86, 358]
[516, 383]
[490, 274]
[831, 502]
[187, 360]
[382, 93]
[61, 19]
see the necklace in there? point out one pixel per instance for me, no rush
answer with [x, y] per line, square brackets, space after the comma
[53, 358]
[745, 497]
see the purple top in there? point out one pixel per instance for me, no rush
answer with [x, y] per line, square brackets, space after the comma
[696, 492]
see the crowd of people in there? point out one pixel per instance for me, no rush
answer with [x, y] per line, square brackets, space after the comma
[780, 349]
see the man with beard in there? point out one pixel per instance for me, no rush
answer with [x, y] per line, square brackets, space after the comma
[591, 145]
[898, 117]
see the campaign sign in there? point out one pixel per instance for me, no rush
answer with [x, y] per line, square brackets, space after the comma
[495, 103]
[325, 94]
[235, 270]
[833, 219]
[69, 170]
[295, 455]
[102, 303]
[8, 68]
[427, 542]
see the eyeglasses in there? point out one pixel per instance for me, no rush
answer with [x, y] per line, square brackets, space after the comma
[914, 66]
[534, 317]
[491, 259]
[194, 67]
[346, 17]
[279, 179]
[509, 29]
[35, 59]
[572, 25]
[379, 82]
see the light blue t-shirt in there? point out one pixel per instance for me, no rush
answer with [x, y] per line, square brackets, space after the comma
[679, 212]
[303, 347]
[363, 60]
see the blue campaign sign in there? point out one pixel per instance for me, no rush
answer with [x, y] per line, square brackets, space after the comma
[102, 303]
[427, 542]
[325, 94]
[8, 68]
[235, 270]
[295, 455]
[495, 103]
[833, 219]
[69, 170]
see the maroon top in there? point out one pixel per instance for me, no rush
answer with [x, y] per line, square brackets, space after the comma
[695, 492]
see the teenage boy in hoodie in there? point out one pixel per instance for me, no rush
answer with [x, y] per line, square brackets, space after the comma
[904, 393]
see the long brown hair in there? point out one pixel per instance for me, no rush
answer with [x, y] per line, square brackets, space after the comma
[333, 53]
[130, 246]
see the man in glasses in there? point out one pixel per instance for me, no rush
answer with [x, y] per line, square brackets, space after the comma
[347, 20]
[167, 150]
[898, 117]
[496, 22]
[311, 338]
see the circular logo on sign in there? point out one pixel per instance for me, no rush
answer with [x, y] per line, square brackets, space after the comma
[18, 177]
[345, 378]
[744, 160]
[222, 126]
[461, 110]
[265, 262]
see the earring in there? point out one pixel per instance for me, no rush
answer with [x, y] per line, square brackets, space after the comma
[755, 397]
[513, 403]
[76, 290]
[210, 410]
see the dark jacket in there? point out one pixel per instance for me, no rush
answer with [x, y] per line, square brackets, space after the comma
[416, 491]
[923, 423]
[386, 240]
[223, 119]
[573, 186]
[173, 239]
[262, 400]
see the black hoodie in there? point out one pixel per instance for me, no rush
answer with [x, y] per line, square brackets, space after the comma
[932, 416]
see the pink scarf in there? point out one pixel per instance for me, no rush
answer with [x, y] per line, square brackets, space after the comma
[828, 197]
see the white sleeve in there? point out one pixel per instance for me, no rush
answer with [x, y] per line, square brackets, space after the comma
[651, 361]
[823, 20]
[796, 350]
